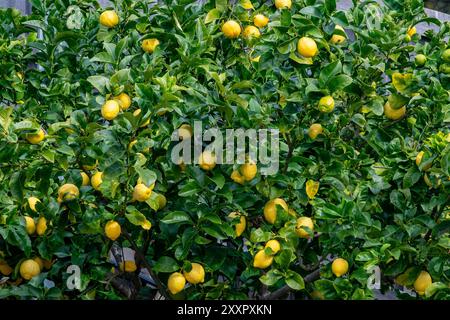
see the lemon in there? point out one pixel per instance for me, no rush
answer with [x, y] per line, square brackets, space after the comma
[68, 192]
[146, 225]
[422, 282]
[110, 109]
[29, 269]
[411, 31]
[446, 55]
[112, 230]
[40, 262]
[312, 187]
[270, 209]
[162, 201]
[41, 226]
[236, 177]
[130, 266]
[260, 20]
[32, 203]
[239, 228]
[109, 18]
[5, 269]
[339, 267]
[326, 104]
[85, 181]
[176, 282]
[35, 138]
[231, 29]
[314, 130]
[149, 45]
[97, 180]
[185, 131]
[307, 47]
[283, 4]
[30, 226]
[304, 222]
[420, 60]
[274, 245]
[251, 32]
[262, 260]
[196, 275]
[141, 192]
[248, 171]
[124, 101]
[407, 38]
[151, 187]
[393, 114]
[207, 160]
[337, 38]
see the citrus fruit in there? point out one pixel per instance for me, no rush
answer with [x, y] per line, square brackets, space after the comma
[326, 104]
[307, 47]
[207, 160]
[236, 177]
[251, 32]
[420, 60]
[176, 282]
[85, 181]
[262, 260]
[196, 275]
[239, 228]
[130, 266]
[274, 245]
[30, 226]
[68, 192]
[394, 114]
[109, 18]
[270, 209]
[314, 130]
[248, 171]
[339, 267]
[124, 101]
[422, 282]
[141, 192]
[304, 222]
[260, 20]
[41, 226]
[283, 4]
[32, 203]
[35, 138]
[337, 38]
[110, 109]
[231, 29]
[149, 45]
[96, 180]
[29, 269]
[112, 230]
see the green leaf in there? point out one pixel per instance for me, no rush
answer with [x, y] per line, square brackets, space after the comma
[301, 60]
[178, 217]
[294, 280]
[212, 15]
[339, 82]
[271, 277]
[166, 265]
[5, 117]
[101, 83]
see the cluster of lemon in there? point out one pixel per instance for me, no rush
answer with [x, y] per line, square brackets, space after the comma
[177, 280]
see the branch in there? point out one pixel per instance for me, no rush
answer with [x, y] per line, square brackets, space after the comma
[286, 289]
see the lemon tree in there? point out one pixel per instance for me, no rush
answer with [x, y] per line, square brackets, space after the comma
[91, 96]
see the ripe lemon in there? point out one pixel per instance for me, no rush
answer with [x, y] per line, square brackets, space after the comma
[274, 245]
[141, 192]
[41, 226]
[97, 180]
[112, 230]
[314, 130]
[411, 31]
[270, 209]
[239, 228]
[5, 269]
[151, 187]
[196, 275]
[422, 282]
[35, 138]
[130, 266]
[446, 55]
[393, 114]
[110, 109]
[109, 18]
[337, 38]
[339, 267]
[85, 179]
[304, 222]
[326, 104]
[162, 201]
[185, 131]
[176, 282]
[236, 177]
[282, 4]
[249, 171]
[40, 262]
[207, 160]
[307, 47]
[231, 29]
[124, 101]
[30, 226]
[260, 20]
[149, 45]
[251, 32]
[29, 269]
[32, 203]
[262, 260]
[420, 60]
[68, 192]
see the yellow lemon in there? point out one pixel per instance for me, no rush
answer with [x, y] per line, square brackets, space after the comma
[109, 18]
[130, 266]
[251, 32]
[231, 29]
[236, 177]
[40, 262]
[314, 130]
[113, 230]
[307, 47]
[68, 192]
[35, 138]
[141, 192]
[422, 282]
[248, 171]
[30, 226]
[262, 260]
[196, 275]
[32, 203]
[149, 45]
[339, 267]
[260, 20]
[274, 245]
[207, 160]
[29, 269]
[41, 226]
[85, 181]
[176, 282]
[239, 228]
[337, 38]
[110, 109]
[270, 209]
[312, 187]
[96, 180]
[394, 114]
[185, 131]
[282, 4]
[326, 104]
[124, 101]
[411, 31]
[304, 222]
